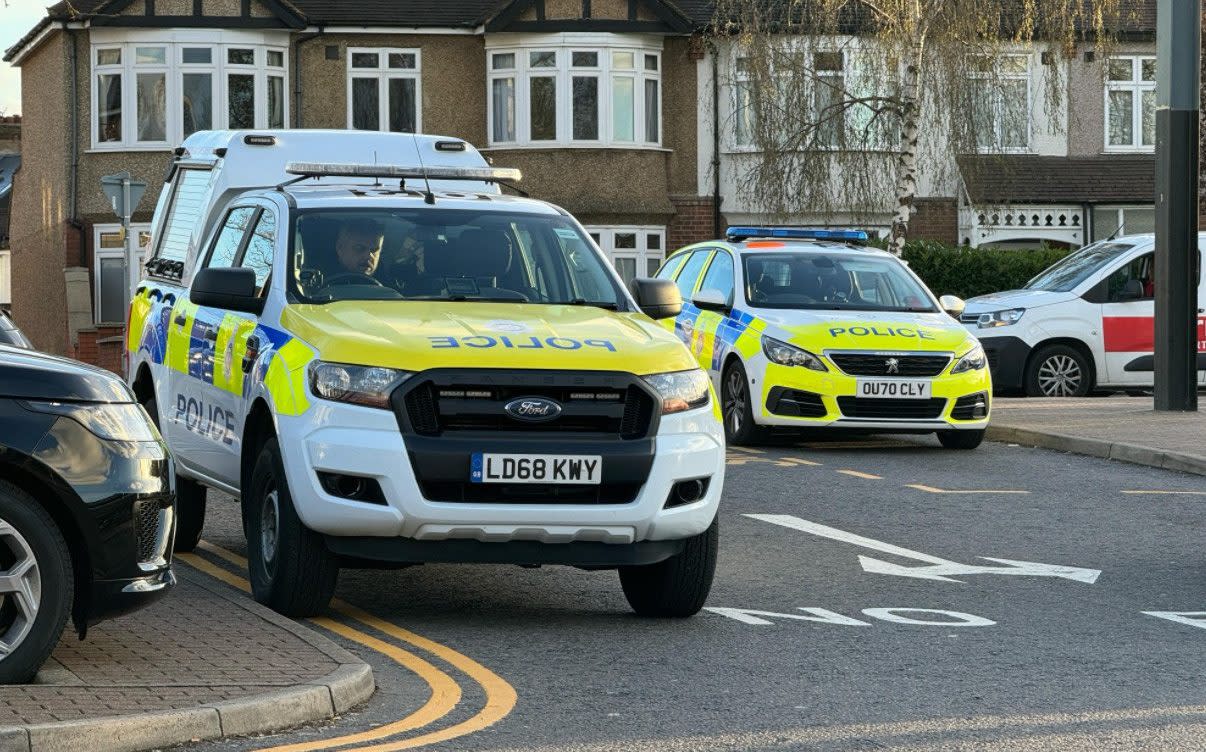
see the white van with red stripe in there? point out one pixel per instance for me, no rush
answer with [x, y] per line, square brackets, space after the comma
[1086, 322]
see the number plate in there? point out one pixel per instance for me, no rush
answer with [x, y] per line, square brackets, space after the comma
[893, 389]
[536, 468]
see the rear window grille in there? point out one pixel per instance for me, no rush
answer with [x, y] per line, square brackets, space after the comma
[188, 204]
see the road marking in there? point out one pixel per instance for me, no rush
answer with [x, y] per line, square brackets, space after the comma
[933, 490]
[896, 616]
[857, 474]
[1168, 493]
[943, 570]
[754, 617]
[1192, 618]
[799, 461]
[747, 450]
[500, 696]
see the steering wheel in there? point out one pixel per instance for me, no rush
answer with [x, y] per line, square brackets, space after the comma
[354, 278]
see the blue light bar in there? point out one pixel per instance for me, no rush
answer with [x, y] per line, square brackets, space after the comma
[737, 234]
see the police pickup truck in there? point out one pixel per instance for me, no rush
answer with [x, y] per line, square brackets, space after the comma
[390, 362]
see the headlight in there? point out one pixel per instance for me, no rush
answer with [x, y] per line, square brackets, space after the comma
[358, 385]
[973, 361]
[994, 319]
[790, 355]
[121, 421]
[680, 390]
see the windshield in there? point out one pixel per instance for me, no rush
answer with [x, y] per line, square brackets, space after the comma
[832, 282]
[448, 254]
[1067, 274]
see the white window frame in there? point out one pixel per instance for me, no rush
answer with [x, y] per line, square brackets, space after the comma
[1137, 86]
[173, 68]
[642, 253]
[99, 253]
[383, 73]
[998, 103]
[563, 73]
[1119, 218]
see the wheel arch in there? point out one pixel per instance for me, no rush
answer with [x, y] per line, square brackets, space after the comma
[1076, 344]
[258, 428]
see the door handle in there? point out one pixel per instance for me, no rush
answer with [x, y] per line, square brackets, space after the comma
[252, 352]
[211, 335]
[180, 319]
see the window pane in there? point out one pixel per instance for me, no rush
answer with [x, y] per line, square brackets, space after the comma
[651, 265]
[1121, 123]
[622, 60]
[651, 62]
[402, 105]
[202, 55]
[150, 55]
[258, 255]
[276, 102]
[745, 113]
[503, 93]
[1014, 65]
[1015, 114]
[503, 61]
[543, 101]
[152, 106]
[112, 281]
[240, 56]
[365, 60]
[720, 275]
[184, 213]
[226, 247]
[585, 59]
[623, 104]
[366, 104]
[627, 268]
[827, 110]
[1105, 222]
[743, 64]
[1119, 69]
[276, 58]
[108, 57]
[827, 61]
[542, 59]
[586, 108]
[690, 273]
[652, 111]
[402, 60]
[653, 241]
[108, 98]
[1148, 116]
[240, 93]
[1139, 220]
[626, 240]
[982, 114]
[1149, 68]
[197, 106]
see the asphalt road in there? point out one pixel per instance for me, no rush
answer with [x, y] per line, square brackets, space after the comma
[1015, 655]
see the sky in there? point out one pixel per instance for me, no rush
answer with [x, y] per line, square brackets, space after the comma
[17, 17]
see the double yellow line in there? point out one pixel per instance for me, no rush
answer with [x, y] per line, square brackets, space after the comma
[445, 693]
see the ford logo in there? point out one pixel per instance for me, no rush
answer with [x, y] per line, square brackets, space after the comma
[533, 409]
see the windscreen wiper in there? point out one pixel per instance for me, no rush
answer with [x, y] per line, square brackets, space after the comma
[595, 304]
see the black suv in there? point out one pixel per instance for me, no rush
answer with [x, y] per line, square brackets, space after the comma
[86, 504]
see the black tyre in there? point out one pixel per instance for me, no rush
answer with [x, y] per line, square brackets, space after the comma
[738, 413]
[37, 585]
[1059, 371]
[678, 586]
[292, 572]
[961, 439]
[190, 498]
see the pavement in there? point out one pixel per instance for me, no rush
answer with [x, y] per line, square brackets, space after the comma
[1117, 428]
[203, 663]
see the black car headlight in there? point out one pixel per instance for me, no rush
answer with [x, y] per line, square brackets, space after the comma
[974, 360]
[790, 355]
[111, 421]
[356, 385]
[680, 390]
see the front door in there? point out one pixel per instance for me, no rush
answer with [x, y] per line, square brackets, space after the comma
[1128, 322]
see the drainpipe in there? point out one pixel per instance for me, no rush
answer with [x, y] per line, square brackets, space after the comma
[715, 141]
[73, 182]
[297, 90]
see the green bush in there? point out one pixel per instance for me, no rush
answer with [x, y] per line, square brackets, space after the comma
[968, 272]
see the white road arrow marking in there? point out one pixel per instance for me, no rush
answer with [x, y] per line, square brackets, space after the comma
[943, 570]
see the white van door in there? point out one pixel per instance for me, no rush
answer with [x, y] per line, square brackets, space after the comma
[1128, 325]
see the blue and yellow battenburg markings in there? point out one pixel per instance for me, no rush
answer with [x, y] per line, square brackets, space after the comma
[728, 330]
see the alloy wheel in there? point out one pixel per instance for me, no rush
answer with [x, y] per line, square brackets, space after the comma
[734, 402]
[20, 588]
[1060, 376]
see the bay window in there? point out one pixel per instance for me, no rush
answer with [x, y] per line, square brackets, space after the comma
[384, 91]
[1130, 104]
[566, 93]
[151, 94]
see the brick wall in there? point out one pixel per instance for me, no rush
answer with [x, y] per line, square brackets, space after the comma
[692, 221]
[102, 346]
[935, 219]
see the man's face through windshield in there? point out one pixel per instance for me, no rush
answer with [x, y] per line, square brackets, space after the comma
[358, 247]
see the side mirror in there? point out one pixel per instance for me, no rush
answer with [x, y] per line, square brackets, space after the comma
[952, 304]
[711, 300]
[228, 289]
[658, 298]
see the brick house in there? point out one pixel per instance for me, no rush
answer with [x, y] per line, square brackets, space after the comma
[594, 100]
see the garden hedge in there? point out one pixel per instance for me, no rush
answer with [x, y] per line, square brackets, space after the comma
[968, 272]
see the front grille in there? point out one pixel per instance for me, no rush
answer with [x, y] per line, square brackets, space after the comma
[527, 493]
[870, 364]
[602, 405]
[794, 403]
[970, 407]
[149, 519]
[891, 409]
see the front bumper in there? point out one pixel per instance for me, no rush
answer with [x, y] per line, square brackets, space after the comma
[365, 442]
[797, 397]
[1007, 358]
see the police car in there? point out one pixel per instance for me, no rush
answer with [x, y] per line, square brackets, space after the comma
[390, 362]
[803, 328]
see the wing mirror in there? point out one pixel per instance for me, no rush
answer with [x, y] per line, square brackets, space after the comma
[711, 300]
[952, 304]
[231, 289]
[658, 298]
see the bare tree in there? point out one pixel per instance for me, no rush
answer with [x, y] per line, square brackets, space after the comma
[837, 99]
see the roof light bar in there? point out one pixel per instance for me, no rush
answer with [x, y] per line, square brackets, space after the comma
[336, 169]
[737, 234]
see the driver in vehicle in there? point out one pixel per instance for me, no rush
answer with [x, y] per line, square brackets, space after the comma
[358, 247]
